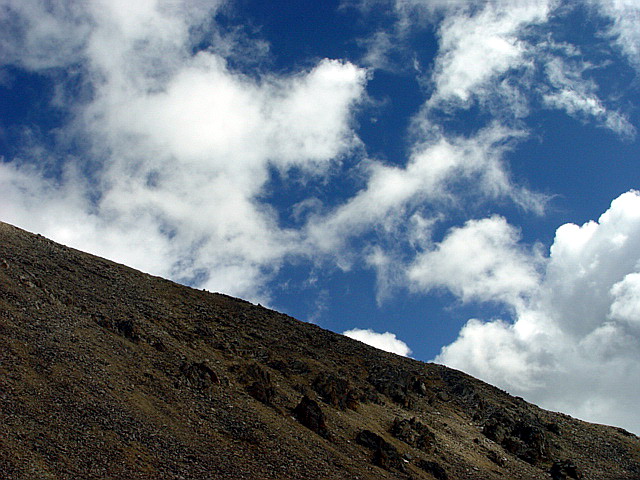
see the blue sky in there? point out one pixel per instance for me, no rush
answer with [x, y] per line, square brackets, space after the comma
[451, 180]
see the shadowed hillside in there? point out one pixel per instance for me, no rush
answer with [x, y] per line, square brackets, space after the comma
[109, 373]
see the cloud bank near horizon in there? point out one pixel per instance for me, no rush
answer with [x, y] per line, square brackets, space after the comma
[576, 337]
[386, 341]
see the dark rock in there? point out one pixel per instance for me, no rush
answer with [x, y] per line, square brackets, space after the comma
[127, 329]
[434, 469]
[524, 438]
[443, 396]
[385, 455]
[368, 439]
[309, 414]
[495, 430]
[496, 458]
[336, 391]
[420, 387]
[199, 375]
[159, 345]
[397, 384]
[259, 384]
[298, 367]
[414, 433]
[553, 427]
[205, 330]
[561, 470]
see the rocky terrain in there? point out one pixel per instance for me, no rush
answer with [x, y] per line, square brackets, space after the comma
[109, 373]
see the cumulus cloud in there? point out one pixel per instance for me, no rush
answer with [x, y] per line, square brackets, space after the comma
[575, 340]
[386, 341]
[478, 261]
[625, 306]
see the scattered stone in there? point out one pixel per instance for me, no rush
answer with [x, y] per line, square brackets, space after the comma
[309, 414]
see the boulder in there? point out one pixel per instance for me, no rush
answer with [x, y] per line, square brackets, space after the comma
[259, 385]
[309, 414]
[433, 468]
[563, 469]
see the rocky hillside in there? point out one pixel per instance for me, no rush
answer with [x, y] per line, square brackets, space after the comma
[109, 373]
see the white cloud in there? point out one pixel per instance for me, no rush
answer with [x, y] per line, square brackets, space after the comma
[38, 34]
[569, 91]
[435, 173]
[491, 54]
[625, 15]
[625, 306]
[479, 261]
[574, 345]
[477, 48]
[180, 145]
[386, 341]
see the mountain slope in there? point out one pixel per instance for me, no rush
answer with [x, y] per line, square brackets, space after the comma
[106, 372]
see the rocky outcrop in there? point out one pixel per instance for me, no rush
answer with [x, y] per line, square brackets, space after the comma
[385, 455]
[414, 433]
[563, 469]
[399, 385]
[199, 375]
[258, 383]
[523, 437]
[336, 391]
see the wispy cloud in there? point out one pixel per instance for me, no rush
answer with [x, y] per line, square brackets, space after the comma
[625, 15]
[433, 175]
[477, 48]
[570, 91]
